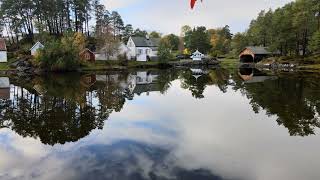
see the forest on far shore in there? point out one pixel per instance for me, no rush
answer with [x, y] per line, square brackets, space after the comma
[292, 30]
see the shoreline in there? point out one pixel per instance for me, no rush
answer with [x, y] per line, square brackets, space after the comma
[5, 69]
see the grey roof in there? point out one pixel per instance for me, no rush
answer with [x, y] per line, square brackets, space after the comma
[144, 42]
[258, 79]
[259, 50]
[142, 88]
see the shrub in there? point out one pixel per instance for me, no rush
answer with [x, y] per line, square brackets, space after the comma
[60, 55]
[164, 51]
[123, 59]
[314, 45]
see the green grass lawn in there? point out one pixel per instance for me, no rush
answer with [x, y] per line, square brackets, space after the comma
[4, 67]
[105, 65]
[229, 63]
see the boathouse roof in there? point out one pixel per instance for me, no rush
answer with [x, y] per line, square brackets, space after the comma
[258, 50]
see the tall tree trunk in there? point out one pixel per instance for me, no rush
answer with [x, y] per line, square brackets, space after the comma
[68, 15]
[305, 41]
[297, 44]
[76, 19]
[7, 30]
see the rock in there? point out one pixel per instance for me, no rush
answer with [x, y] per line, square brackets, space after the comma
[15, 64]
[38, 71]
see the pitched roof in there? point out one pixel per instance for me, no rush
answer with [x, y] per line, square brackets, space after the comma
[258, 49]
[36, 45]
[86, 49]
[144, 42]
[197, 52]
[3, 46]
[142, 88]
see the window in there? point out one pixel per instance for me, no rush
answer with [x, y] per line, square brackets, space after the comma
[147, 51]
[87, 56]
[139, 51]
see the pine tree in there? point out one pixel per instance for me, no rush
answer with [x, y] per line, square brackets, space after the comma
[314, 45]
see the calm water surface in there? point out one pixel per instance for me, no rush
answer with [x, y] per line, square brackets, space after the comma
[161, 125]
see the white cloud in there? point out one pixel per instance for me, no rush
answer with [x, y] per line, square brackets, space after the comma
[115, 4]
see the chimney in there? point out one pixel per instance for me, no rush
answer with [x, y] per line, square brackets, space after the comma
[147, 37]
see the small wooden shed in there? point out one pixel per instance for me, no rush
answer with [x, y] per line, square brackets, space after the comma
[252, 54]
[3, 51]
[35, 48]
[87, 55]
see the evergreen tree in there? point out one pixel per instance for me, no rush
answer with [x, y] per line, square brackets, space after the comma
[314, 45]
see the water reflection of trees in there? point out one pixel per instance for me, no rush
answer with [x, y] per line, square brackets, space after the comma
[65, 108]
[293, 98]
[55, 114]
[61, 109]
[197, 82]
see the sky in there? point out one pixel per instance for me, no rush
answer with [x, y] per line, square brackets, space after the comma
[168, 16]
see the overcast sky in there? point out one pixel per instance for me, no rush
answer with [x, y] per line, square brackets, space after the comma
[167, 16]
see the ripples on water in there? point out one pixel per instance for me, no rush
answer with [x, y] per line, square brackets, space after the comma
[161, 124]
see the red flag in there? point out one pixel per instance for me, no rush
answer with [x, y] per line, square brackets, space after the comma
[192, 3]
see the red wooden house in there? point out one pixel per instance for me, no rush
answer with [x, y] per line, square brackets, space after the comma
[87, 55]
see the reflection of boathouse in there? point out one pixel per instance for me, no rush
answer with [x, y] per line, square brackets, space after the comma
[4, 88]
[252, 75]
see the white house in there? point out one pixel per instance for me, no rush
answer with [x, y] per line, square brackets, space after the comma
[143, 48]
[122, 50]
[197, 56]
[36, 47]
[3, 51]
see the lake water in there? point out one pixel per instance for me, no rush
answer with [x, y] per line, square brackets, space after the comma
[196, 124]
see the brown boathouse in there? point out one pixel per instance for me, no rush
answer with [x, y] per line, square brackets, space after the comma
[253, 54]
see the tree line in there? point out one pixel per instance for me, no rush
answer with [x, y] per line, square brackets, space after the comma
[292, 30]
[24, 18]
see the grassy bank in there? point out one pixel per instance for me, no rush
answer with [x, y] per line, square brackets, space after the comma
[229, 63]
[309, 62]
[5, 67]
[109, 65]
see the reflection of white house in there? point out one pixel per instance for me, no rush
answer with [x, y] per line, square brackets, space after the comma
[145, 83]
[4, 82]
[144, 77]
[36, 47]
[197, 56]
[3, 51]
[136, 83]
[143, 48]
[131, 83]
[123, 50]
[4, 88]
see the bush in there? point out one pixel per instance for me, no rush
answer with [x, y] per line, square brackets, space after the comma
[60, 55]
[314, 45]
[123, 59]
[164, 51]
